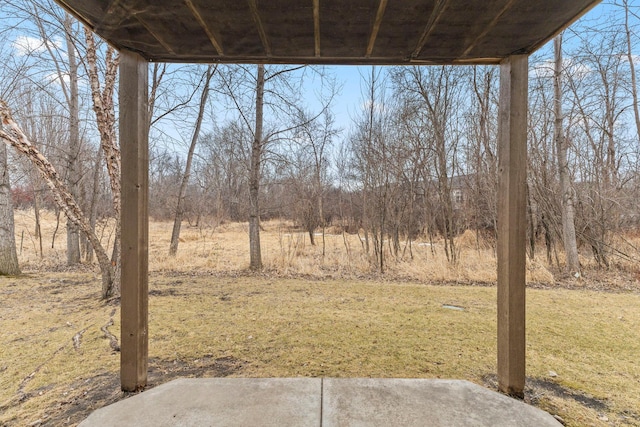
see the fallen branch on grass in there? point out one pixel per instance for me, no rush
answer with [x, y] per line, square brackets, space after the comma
[77, 338]
[113, 341]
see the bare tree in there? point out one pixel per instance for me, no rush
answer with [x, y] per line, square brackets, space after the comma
[312, 144]
[567, 193]
[103, 107]
[483, 158]
[73, 173]
[257, 145]
[371, 163]
[544, 211]
[14, 136]
[8, 255]
[277, 89]
[55, 56]
[599, 101]
[177, 222]
[632, 68]
[433, 92]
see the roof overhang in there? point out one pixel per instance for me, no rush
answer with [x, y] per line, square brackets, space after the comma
[328, 31]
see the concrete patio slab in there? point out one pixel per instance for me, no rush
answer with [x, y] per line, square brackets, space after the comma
[311, 402]
[277, 402]
[369, 402]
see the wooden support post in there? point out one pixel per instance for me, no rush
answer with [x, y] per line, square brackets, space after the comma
[512, 163]
[134, 141]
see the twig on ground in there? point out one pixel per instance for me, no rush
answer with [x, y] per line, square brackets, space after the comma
[113, 341]
[77, 338]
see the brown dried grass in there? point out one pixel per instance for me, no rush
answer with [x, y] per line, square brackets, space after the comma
[287, 251]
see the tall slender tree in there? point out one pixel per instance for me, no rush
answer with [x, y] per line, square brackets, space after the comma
[567, 193]
[177, 221]
[257, 145]
[103, 107]
[276, 90]
[8, 255]
[632, 67]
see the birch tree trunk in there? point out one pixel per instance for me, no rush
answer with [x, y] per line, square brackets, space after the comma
[177, 222]
[566, 190]
[103, 107]
[8, 255]
[36, 210]
[93, 209]
[255, 262]
[11, 134]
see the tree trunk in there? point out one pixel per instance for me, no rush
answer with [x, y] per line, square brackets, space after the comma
[104, 110]
[321, 214]
[73, 173]
[8, 255]
[177, 222]
[254, 177]
[566, 190]
[13, 135]
[445, 197]
[93, 207]
[35, 185]
[632, 69]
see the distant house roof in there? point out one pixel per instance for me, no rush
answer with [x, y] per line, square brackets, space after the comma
[328, 31]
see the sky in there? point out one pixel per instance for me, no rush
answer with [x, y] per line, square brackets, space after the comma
[347, 105]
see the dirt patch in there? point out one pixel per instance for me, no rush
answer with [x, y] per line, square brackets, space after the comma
[612, 280]
[171, 292]
[86, 395]
[161, 371]
[537, 387]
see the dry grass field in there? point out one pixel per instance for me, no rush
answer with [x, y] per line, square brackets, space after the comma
[309, 315]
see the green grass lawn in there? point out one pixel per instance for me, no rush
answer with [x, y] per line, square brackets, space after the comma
[270, 327]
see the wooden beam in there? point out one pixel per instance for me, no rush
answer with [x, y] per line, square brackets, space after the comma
[436, 14]
[263, 35]
[138, 17]
[134, 220]
[512, 202]
[489, 27]
[316, 27]
[321, 60]
[376, 27]
[70, 9]
[212, 38]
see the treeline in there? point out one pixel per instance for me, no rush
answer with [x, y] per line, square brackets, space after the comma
[421, 158]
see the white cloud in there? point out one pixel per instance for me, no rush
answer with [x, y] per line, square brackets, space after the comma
[542, 69]
[378, 107]
[635, 58]
[26, 45]
[55, 78]
[576, 68]
[545, 69]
